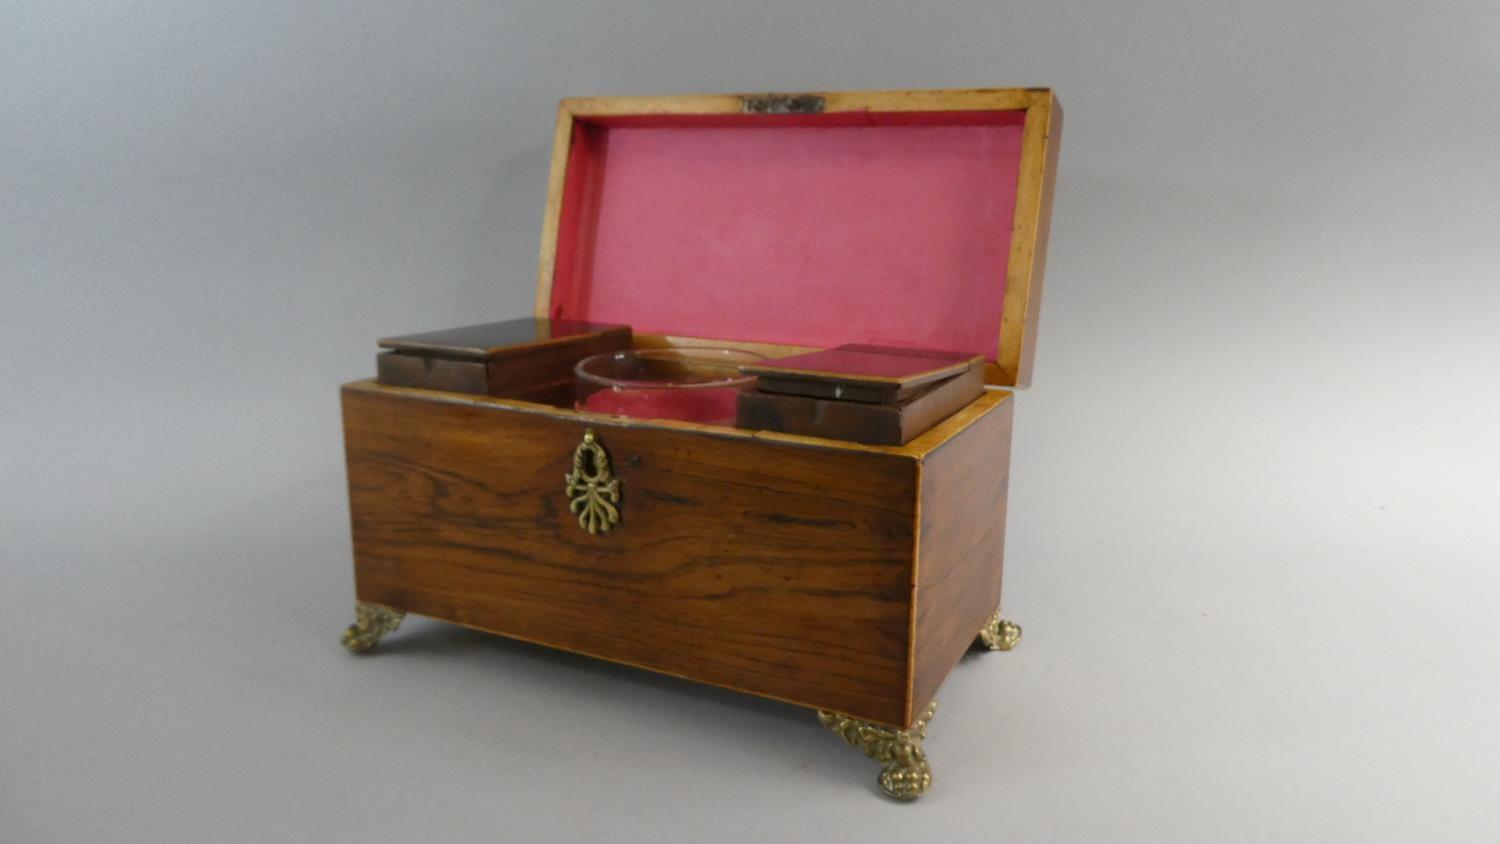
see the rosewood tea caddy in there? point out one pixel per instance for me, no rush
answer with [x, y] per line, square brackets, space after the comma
[840, 576]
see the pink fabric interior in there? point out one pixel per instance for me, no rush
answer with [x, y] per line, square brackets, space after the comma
[818, 230]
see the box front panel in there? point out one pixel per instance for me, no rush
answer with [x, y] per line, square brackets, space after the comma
[764, 567]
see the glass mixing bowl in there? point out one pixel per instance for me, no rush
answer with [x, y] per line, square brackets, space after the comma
[689, 384]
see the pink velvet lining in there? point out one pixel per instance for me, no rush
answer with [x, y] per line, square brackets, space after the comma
[891, 229]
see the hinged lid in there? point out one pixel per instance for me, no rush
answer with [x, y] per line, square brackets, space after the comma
[861, 373]
[497, 340]
[785, 223]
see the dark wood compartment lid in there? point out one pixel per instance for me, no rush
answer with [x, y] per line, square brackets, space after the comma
[894, 423]
[495, 340]
[860, 373]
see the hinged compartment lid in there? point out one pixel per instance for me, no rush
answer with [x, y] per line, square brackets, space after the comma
[508, 339]
[861, 373]
[786, 223]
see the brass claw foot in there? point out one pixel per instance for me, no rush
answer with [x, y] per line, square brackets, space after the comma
[904, 773]
[371, 621]
[999, 634]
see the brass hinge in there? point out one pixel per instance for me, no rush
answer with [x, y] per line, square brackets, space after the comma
[783, 104]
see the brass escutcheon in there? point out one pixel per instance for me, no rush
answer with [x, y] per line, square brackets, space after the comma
[593, 491]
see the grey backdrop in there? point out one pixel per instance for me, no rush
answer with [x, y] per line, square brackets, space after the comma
[1253, 534]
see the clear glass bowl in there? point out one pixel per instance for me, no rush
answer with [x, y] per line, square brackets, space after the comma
[690, 384]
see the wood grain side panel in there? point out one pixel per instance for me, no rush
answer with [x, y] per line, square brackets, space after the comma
[961, 548]
[770, 568]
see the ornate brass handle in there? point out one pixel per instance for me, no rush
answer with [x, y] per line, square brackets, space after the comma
[593, 491]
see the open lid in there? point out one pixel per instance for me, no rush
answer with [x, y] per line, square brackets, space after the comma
[915, 219]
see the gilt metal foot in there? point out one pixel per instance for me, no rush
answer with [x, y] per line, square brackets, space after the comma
[1000, 635]
[904, 773]
[371, 622]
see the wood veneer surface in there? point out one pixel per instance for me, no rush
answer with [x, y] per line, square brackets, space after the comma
[761, 566]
